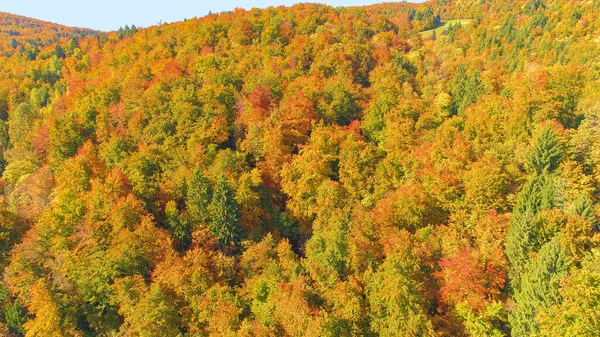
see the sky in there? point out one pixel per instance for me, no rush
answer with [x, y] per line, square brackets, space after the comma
[109, 15]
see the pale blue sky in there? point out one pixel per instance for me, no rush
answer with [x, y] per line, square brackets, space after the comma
[111, 14]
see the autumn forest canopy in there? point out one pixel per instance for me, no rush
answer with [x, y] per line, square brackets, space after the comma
[390, 170]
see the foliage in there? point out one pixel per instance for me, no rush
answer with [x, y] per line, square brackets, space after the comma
[304, 171]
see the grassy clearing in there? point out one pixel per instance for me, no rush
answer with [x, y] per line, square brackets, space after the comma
[442, 28]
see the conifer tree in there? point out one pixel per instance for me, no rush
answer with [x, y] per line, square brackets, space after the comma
[584, 207]
[577, 314]
[540, 287]
[224, 217]
[520, 241]
[466, 88]
[538, 194]
[522, 237]
[199, 194]
[178, 226]
[546, 152]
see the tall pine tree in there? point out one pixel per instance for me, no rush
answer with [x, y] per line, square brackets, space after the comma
[224, 221]
[540, 287]
[546, 153]
[199, 194]
[522, 237]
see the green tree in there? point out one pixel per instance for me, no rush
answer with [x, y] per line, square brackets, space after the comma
[546, 153]
[39, 97]
[53, 70]
[199, 195]
[479, 324]
[14, 317]
[577, 314]
[585, 207]
[540, 287]
[327, 249]
[224, 216]
[178, 226]
[143, 171]
[520, 242]
[465, 88]
[537, 194]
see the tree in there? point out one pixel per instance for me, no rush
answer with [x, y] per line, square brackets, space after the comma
[523, 237]
[148, 311]
[471, 278]
[485, 185]
[53, 70]
[11, 230]
[293, 310]
[48, 320]
[540, 287]
[224, 216]
[340, 104]
[585, 208]
[577, 314]
[465, 88]
[327, 249]
[20, 122]
[394, 300]
[546, 152]
[178, 226]
[485, 322]
[357, 163]
[407, 207]
[386, 81]
[143, 170]
[199, 195]
[538, 194]
[315, 166]
[520, 242]
[66, 137]
[14, 317]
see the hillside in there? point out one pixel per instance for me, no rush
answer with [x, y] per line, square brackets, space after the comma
[26, 35]
[16, 25]
[304, 171]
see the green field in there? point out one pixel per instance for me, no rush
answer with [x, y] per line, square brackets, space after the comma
[442, 28]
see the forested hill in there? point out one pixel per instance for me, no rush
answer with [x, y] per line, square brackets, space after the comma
[26, 36]
[390, 170]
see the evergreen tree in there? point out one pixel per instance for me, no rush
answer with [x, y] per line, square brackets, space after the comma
[178, 226]
[458, 86]
[546, 152]
[14, 317]
[224, 217]
[466, 88]
[520, 242]
[584, 207]
[13, 43]
[199, 194]
[540, 287]
[538, 194]
[577, 314]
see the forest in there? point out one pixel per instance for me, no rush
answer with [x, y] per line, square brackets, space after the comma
[399, 169]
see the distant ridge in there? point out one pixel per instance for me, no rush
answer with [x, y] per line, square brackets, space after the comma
[8, 20]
